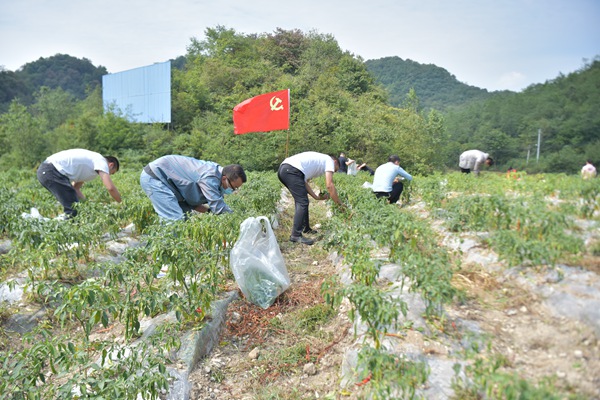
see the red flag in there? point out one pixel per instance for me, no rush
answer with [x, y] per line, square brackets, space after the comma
[263, 113]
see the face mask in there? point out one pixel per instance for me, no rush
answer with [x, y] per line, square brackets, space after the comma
[228, 190]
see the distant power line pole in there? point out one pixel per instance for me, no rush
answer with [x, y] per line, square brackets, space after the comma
[538, 146]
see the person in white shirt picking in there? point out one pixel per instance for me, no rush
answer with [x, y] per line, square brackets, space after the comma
[588, 171]
[65, 172]
[294, 173]
[472, 160]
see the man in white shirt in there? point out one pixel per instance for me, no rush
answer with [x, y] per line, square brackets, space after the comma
[385, 182]
[294, 173]
[588, 171]
[65, 172]
[473, 160]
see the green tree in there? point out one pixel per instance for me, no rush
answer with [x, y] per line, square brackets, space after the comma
[13, 86]
[53, 107]
[116, 133]
[284, 49]
[23, 142]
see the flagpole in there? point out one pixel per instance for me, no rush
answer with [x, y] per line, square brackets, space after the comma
[287, 143]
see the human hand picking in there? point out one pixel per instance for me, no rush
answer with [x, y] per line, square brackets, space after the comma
[324, 196]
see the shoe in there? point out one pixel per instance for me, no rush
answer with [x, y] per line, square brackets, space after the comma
[301, 239]
[310, 231]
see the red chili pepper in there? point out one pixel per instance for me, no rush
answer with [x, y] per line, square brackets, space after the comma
[364, 381]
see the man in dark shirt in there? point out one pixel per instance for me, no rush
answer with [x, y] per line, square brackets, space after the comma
[344, 163]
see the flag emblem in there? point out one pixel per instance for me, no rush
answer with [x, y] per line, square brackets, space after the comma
[276, 104]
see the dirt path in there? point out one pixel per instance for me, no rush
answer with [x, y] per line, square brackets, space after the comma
[263, 354]
[253, 359]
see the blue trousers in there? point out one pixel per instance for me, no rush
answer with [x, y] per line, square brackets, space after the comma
[163, 199]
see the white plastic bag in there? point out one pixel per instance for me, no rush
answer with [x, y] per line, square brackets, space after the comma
[352, 170]
[257, 263]
[34, 214]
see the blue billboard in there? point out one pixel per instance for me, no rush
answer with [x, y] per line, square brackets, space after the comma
[141, 94]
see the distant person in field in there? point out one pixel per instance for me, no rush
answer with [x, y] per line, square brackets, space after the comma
[365, 168]
[178, 185]
[387, 180]
[472, 160]
[65, 172]
[588, 171]
[294, 173]
[344, 163]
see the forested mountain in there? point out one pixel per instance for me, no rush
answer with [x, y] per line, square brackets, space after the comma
[435, 87]
[75, 76]
[339, 103]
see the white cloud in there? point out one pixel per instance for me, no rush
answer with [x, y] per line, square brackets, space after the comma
[512, 81]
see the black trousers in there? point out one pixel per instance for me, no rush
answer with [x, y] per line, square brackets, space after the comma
[394, 195]
[59, 185]
[293, 179]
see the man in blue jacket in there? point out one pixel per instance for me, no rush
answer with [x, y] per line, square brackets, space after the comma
[176, 185]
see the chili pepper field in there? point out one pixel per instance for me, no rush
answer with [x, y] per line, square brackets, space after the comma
[467, 288]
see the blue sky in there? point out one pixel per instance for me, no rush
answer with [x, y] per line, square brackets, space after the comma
[492, 44]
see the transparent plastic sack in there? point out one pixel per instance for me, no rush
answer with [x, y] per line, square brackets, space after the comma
[352, 169]
[257, 263]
